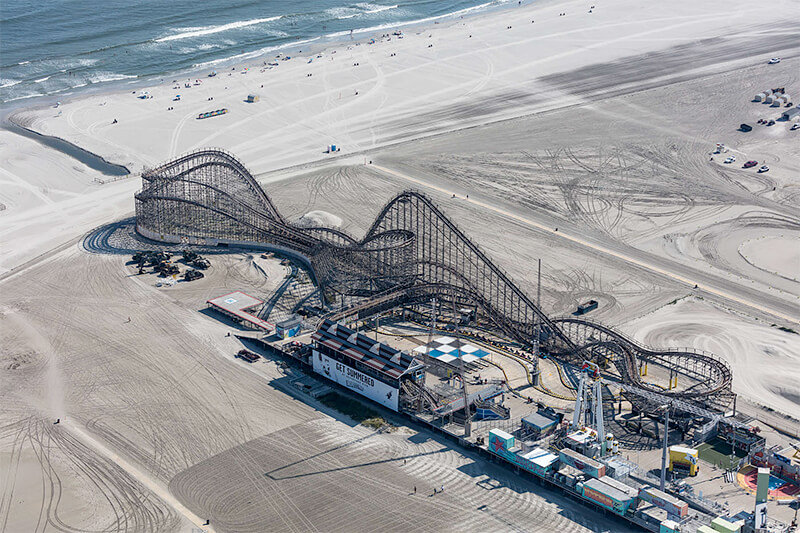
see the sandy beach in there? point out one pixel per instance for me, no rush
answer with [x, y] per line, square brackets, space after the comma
[582, 139]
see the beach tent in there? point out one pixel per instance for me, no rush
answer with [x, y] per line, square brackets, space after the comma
[252, 98]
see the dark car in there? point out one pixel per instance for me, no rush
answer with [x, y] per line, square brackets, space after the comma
[750, 164]
[248, 356]
[585, 307]
[745, 127]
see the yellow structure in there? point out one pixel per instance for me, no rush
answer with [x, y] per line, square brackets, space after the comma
[685, 459]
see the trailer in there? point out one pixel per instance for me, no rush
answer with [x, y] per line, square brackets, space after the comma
[585, 307]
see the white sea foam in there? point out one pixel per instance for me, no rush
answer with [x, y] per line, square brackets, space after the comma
[375, 8]
[40, 80]
[101, 77]
[342, 13]
[24, 96]
[208, 30]
[363, 8]
[255, 53]
[412, 22]
[9, 83]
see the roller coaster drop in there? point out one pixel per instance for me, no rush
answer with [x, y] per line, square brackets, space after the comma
[412, 253]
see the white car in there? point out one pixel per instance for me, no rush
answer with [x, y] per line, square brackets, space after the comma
[764, 168]
[774, 60]
[731, 159]
[795, 126]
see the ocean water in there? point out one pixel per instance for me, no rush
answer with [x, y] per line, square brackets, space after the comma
[61, 46]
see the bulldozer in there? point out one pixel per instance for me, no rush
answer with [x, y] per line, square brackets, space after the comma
[192, 275]
[166, 268]
[201, 263]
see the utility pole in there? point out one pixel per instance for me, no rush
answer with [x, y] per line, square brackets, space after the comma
[664, 450]
[539, 287]
[537, 327]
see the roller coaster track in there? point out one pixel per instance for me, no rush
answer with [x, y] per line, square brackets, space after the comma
[712, 374]
[411, 254]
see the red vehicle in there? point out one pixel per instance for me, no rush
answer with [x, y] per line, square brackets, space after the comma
[750, 164]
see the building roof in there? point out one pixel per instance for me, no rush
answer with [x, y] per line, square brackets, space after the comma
[502, 434]
[538, 420]
[237, 303]
[604, 488]
[683, 449]
[387, 360]
[580, 436]
[541, 457]
[579, 457]
[620, 486]
[672, 500]
[289, 323]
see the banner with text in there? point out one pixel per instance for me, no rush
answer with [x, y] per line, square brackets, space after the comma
[356, 381]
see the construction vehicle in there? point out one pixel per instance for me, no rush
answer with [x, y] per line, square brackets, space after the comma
[192, 275]
[166, 268]
[201, 262]
[151, 258]
[189, 256]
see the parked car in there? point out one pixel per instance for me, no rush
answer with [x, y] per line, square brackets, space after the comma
[764, 168]
[745, 127]
[731, 159]
[795, 126]
[774, 60]
[248, 356]
[750, 164]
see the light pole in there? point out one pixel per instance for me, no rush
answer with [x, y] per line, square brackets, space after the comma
[467, 414]
[666, 445]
